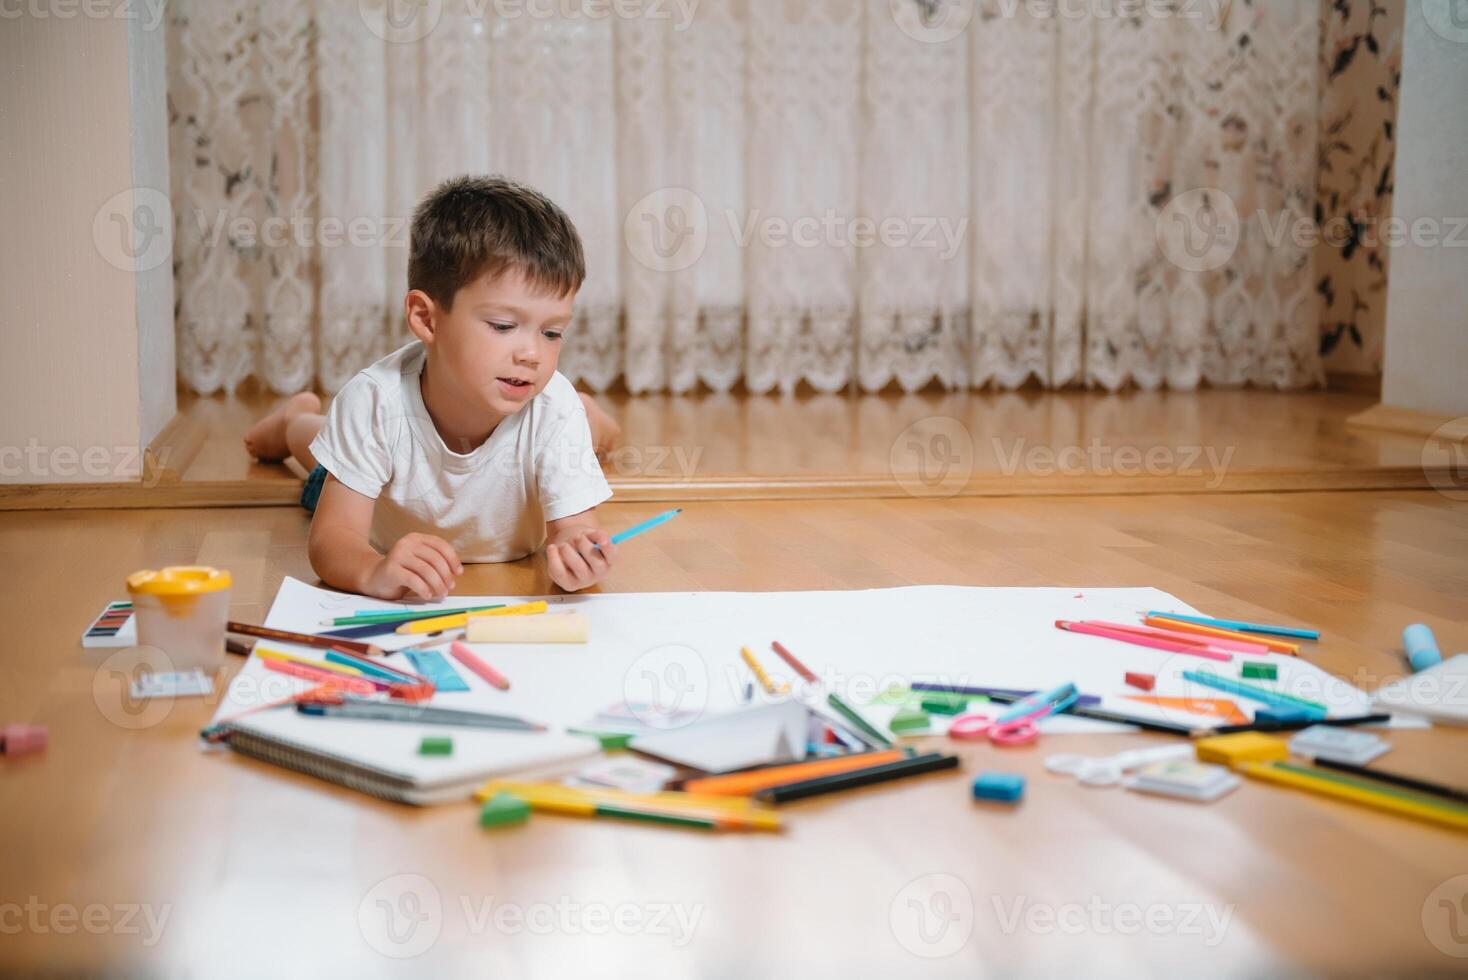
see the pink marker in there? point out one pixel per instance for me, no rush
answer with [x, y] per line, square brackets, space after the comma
[471, 660]
[1141, 640]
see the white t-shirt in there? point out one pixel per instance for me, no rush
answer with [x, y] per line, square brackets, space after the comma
[491, 504]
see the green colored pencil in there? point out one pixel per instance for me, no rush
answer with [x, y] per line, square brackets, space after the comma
[368, 619]
[851, 715]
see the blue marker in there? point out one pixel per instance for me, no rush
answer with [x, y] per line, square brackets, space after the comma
[1061, 696]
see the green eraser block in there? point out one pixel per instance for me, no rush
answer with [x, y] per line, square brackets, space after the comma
[1263, 672]
[503, 809]
[937, 703]
[610, 741]
[436, 745]
[909, 720]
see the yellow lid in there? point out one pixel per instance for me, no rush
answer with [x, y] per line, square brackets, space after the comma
[177, 580]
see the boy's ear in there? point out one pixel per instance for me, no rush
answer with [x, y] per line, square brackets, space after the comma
[422, 313]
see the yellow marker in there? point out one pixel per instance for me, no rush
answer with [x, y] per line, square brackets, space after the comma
[1454, 817]
[765, 680]
[462, 619]
[593, 802]
[343, 669]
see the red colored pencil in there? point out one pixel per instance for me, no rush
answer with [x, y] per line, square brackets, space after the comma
[472, 660]
[1191, 639]
[795, 665]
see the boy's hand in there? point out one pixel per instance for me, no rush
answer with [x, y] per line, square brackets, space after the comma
[574, 564]
[421, 564]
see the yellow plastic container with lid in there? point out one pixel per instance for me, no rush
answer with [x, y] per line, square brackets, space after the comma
[182, 610]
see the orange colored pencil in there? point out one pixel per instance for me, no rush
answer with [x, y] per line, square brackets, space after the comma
[1275, 646]
[749, 783]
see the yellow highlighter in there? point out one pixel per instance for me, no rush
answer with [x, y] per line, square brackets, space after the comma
[1357, 791]
[457, 620]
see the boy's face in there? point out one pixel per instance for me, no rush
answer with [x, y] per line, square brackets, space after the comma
[500, 342]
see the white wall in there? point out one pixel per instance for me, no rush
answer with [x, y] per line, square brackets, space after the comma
[86, 320]
[1426, 366]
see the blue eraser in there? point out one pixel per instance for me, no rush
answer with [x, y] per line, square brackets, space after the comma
[1006, 786]
[1421, 646]
[1283, 714]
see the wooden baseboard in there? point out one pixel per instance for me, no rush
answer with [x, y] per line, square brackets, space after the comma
[286, 492]
[168, 456]
[1406, 421]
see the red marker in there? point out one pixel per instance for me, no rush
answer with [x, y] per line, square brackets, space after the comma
[471, 660]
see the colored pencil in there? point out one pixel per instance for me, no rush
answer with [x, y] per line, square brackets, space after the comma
[462, 619]
[1395, 779]
[1252, 648]
[1138, 639]
[1235, 624]
[419, 715]
[902, 768]
[1183, 626]
[864, 727]
[320, 676]
[404, 615]
[765, 680]
[1316, 781]
[795, 665]
[305, 639]
[1002, 694]
[437, 639]
[474, 662]
[1250, 691]
[750, 782]
[646, 525]
[382, 673]
[1294, 726]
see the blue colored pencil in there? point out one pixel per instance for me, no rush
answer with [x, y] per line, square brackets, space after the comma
[646, 525]
[1241, 626]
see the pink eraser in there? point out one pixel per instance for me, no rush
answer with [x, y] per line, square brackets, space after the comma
[21, 739]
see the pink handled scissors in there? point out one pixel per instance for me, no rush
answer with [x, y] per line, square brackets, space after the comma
[1014, 731]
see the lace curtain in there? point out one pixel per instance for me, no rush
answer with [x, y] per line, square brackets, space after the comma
[841, 192]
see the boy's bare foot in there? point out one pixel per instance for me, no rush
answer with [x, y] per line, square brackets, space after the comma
[604, 429]
[266, 438]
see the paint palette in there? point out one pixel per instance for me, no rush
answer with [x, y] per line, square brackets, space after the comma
[115, 627]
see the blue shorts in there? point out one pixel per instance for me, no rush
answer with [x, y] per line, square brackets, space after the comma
[311, 489]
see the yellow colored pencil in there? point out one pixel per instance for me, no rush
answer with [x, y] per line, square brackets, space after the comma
[462, 619]
[343, 669]
[1454, 818]
[765, 680]
[1182, 625]
[705, 801]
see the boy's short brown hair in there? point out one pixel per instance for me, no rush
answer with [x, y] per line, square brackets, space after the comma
[474, 226]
